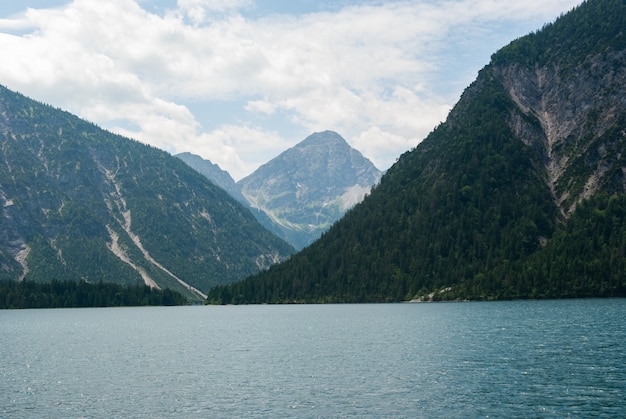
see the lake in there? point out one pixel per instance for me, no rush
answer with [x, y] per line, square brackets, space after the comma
[564, 358]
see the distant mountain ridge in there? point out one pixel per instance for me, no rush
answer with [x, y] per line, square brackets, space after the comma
[80, 203]
[301, 192]
[520, 193]
[223, 179]
[214, 173]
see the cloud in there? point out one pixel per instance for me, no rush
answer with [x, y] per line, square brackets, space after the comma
[239, 148]
[381, 74]
[261, 106]
[198, 11]
[382, 146]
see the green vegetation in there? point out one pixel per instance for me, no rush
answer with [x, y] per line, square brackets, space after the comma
[473, 211]
[67, 187]
[446, 213]
[589, 30]
[584, 258]
[60, 294]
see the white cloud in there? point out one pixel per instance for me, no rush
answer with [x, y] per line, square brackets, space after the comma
[199, 10]
[381, 74]
[238, 148]
[261, 106]
[382, 146]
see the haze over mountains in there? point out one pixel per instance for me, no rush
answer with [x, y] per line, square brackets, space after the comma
[519, 194]
[80, 203]
[300, 193]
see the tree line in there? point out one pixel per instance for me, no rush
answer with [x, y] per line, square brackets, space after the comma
[65, 294]
[468, 213]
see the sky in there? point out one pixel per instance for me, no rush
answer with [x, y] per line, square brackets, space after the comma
[239, 81]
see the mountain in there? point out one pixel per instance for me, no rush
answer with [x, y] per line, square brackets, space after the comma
[520, 193]
[310, 186]
[301, 192]
[215, 174]
[80, 203]
[223, 179]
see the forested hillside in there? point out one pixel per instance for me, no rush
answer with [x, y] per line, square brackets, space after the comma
[519, 194]
[80, 203]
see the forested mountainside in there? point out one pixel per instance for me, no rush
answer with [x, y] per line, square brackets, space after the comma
[223, 179]
[308, 187]
[520, 193]
[80, 203]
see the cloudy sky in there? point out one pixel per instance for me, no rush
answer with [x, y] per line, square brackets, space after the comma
[239, 81]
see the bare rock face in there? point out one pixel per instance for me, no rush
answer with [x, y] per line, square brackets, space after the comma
[310, 186]
[569, 115]
[518, 194]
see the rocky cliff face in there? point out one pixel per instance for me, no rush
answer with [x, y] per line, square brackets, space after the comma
[308, 187]
[520, 193]
[569, 116]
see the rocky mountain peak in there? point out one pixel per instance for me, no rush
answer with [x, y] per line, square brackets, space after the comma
[309, 186]
[323, 139]
[520, 193]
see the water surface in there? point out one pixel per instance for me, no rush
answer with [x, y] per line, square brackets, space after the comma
[500, 359]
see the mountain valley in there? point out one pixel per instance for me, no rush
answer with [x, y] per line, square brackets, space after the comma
[520, 193]
[299, 194]
[80, 203]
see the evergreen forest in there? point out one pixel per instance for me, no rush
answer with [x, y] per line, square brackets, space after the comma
[66, 294]
[492, 204]
[81, 203]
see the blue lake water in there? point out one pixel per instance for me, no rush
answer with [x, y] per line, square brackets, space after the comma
[500, 359]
